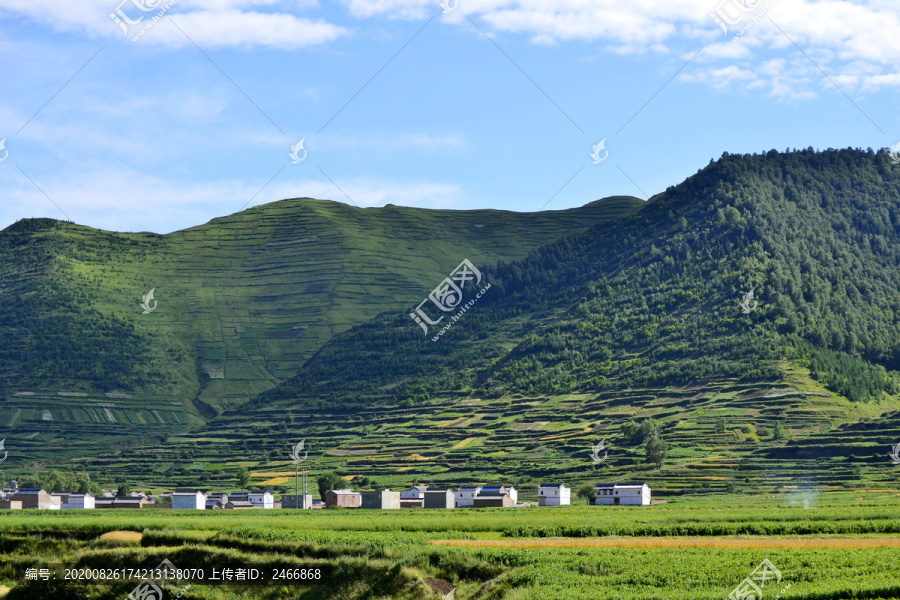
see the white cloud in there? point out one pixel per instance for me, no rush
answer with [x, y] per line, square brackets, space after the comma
[858, 31]
[210, 23]
[210, 29]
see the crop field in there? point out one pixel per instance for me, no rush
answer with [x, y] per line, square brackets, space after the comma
[697, 549]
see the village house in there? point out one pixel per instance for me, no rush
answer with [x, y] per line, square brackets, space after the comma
[130, 502]
[8, 504]
[259, 498]
[381, 499]
[343, 499]
[496, 496]
[413, 497]
[492, 500]
[465, 495]
[83, 500]
[189, 499]
[35, 498]
[216, 501]
[554, 494]
[440, 499]
[298, 501]
[624, 494]
[234, 504]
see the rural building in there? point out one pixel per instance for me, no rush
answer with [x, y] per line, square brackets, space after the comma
[10, 504]
[129, 502]
[259, 499]
[296, 501]
[496, 495]
[501, 489]
[35, 498]
[233, 504]
[343, 498]
[440, 499]
[465, 495]
[216, 501]
[189, 499]
[416, 492]
[492, 501]
[554, 494]
[414, 497]
[381, 499]
[82, 500]
[625, 494]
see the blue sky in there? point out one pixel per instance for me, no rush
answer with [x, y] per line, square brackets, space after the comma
[495, 103]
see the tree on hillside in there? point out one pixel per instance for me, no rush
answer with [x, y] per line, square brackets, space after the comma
[587, 491]
[779, 432]
[330, 481]
[636, 433]
[243, 478]
[124, 489]
[656, 450]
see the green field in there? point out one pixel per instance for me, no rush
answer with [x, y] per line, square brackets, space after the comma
[702, 550]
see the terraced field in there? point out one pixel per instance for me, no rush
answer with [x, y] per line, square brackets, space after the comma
[241, 302]
[454, 440]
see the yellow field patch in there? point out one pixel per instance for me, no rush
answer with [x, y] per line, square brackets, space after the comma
[122, 536]
[417, 456]
[275, 481]
[566, 435]
[463, 443]
[453, 422]
[274, 474]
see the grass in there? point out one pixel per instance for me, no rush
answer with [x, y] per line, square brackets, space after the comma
[405, 554]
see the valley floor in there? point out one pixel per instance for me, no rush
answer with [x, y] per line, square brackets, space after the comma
[844, 546]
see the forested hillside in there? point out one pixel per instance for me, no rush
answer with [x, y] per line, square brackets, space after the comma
[652, 299]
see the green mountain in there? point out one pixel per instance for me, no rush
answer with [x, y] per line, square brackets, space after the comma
[238, 305]
[636, 320]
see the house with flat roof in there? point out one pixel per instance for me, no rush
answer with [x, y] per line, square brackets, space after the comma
[83, 500]
[343, 499]
[258, 498]
[554, 494]
[381, 499]
[492, 490]
[465, 495]
[189, 499]
[622, 494]
[437, 498]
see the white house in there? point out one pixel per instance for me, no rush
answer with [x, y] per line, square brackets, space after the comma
[625, 494]
[83, 500]
[493, 490]
[259, 499]
[416, 492]
[554, 494]
[194, 500]
[465, 495]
